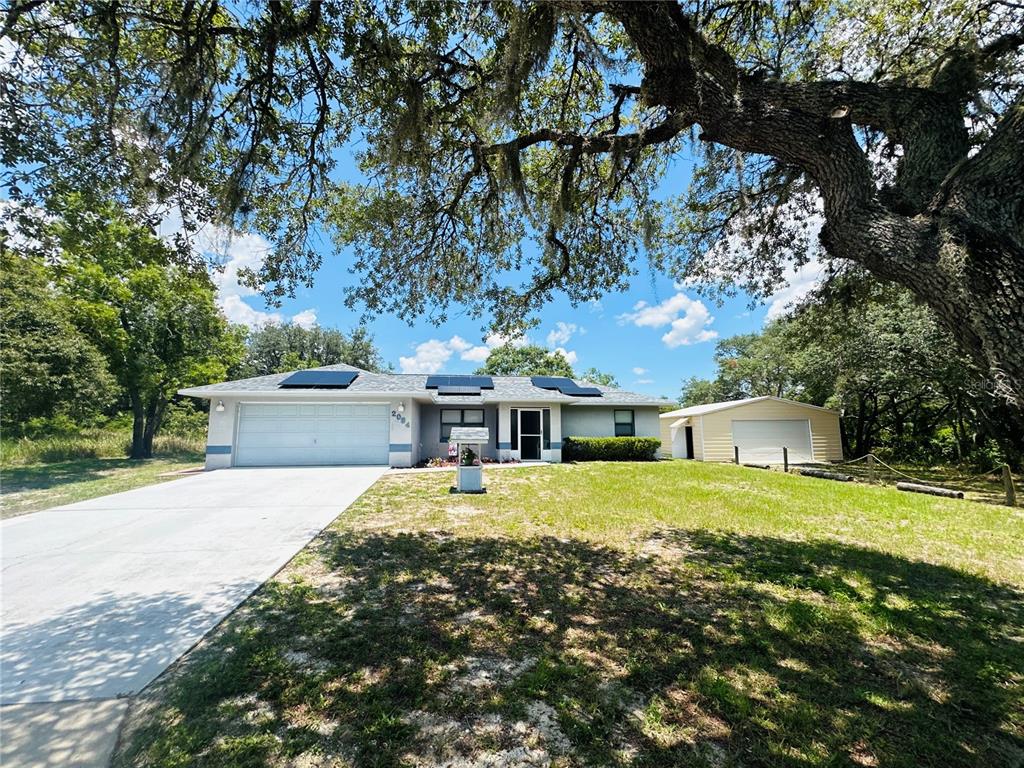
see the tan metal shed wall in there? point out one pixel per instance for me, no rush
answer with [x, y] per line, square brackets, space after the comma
[717, 428]
[666, 436]
[698, 437]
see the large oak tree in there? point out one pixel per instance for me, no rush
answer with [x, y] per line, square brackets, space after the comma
[483, 126]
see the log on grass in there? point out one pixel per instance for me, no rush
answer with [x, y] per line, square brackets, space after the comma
[930, 490]
[758, 466]
[824, 474]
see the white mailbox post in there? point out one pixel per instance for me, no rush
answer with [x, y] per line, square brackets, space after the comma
[468, 442]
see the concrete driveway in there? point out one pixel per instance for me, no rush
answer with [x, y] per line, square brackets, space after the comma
[99, 597]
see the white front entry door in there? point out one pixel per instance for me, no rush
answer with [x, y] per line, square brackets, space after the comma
[313, 434]
[762, 441]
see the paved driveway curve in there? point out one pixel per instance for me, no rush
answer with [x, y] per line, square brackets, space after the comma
[99, 597]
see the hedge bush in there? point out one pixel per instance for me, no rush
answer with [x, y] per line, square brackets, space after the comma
[610, 448]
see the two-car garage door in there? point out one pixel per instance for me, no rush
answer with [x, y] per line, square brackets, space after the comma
[763, 440]
[311, 434]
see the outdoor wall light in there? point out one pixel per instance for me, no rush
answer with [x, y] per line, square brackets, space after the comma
[401, 408]
[220, 406]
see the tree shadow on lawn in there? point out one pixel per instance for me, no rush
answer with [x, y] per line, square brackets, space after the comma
[703, 649]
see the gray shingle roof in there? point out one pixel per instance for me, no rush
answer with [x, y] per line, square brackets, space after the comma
[506, 388]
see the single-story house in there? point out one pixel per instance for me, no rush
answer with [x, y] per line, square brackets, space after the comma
[339, 414]
[759, 426]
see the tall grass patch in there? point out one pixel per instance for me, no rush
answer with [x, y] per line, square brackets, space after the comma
[91, 443]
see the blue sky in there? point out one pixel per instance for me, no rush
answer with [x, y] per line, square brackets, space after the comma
[650, 337]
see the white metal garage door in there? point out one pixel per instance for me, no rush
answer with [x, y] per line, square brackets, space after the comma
[762, 440]
[311, 434]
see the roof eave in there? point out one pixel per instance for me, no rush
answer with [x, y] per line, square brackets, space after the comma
[746, 401]
[203, 392]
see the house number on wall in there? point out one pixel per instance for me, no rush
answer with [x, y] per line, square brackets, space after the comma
[400, 418]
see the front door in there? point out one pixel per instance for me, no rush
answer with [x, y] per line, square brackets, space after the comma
[529, 434]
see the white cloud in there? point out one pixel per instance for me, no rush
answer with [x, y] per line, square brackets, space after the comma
[429, 357]
[477, 354]
[499, 339]
[305, 319]
[799, 282]
[234, 252]
[562, 333]
[690, 330]
[569, 355]
[645, 381]
[639, 371]
[237, 311]
[657, 315]
[432, 355]
[689, 320]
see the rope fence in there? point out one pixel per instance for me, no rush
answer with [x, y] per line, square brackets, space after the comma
[875, 469]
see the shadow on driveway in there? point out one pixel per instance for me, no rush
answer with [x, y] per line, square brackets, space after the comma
[107, 647]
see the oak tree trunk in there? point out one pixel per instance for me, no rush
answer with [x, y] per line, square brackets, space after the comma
[138, 450]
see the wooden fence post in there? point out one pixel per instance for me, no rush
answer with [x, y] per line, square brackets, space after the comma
[736, 454]
[785, 459]
[1011, 496]
[871, 468]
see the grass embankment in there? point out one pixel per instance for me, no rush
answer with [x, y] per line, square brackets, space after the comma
[987, 486]
[48, 472]
[617, 614]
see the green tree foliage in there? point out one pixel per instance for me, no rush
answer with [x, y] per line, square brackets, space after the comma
[280, 348]
[48, 367]
[887, 365]
[896, 125]
[154, 319]
[526, 360]
[599, 377]
[698, 391]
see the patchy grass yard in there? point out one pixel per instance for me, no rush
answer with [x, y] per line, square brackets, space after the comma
[619, 614]
[31, 487]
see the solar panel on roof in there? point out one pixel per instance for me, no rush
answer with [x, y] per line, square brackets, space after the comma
[444, 380]
[550, 382]
[314, 379]
[448, 390]
[577, 391]
[564, 385]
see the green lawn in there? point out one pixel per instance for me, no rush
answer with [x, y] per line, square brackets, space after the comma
[31, 487]
[671, 614]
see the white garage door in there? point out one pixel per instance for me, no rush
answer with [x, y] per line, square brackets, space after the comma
[762, 441]
[313, 434]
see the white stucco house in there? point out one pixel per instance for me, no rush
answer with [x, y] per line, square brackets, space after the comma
[339, 414]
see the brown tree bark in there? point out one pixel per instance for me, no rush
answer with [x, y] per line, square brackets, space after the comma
[154, 415]
[138, 450]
